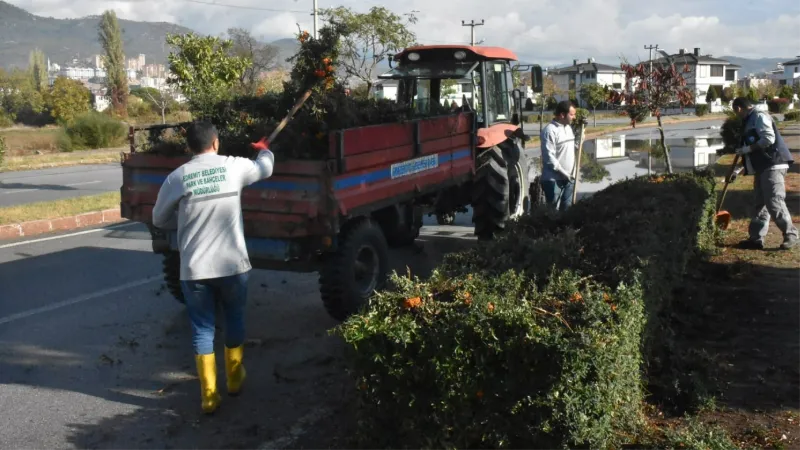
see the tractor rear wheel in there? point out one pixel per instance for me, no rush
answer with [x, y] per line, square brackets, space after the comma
[500, 190]
[172, 274]
[350, 276]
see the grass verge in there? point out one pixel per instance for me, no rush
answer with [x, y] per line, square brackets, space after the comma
[58, 208]
[22, 141]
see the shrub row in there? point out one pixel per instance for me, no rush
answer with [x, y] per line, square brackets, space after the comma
[92, 130]
[792, 115]
[701, 110]
[536, 339]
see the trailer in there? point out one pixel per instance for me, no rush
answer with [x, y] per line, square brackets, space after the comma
[339, 216]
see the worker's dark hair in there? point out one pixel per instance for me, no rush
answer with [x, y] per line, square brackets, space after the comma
[742, 102]
[200, 136]
[563, 107]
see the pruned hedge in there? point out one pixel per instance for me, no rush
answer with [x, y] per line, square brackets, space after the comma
[539, 339]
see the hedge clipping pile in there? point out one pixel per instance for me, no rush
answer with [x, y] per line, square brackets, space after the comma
[243, 120]
[540, 338]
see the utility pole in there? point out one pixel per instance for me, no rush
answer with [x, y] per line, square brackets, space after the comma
[315, 19]
[651, 48]
[472, 25]
[650, 73]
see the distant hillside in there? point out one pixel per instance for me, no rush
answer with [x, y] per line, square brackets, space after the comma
[754, 66]
[65, 39]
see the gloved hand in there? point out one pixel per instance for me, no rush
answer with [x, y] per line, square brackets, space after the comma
[744, 150]
[263, 144]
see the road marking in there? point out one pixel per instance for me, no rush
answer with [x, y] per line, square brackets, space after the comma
[83, 183]
[79, 233]
[19, 191]
[76, 300]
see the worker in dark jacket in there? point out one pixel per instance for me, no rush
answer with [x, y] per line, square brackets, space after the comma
[767, 157]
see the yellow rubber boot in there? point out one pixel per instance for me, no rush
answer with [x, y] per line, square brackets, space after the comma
[234, 369]
[207, 372]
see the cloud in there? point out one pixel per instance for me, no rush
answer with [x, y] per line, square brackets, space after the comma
[547, 32]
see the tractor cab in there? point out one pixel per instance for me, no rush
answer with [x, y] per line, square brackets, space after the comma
[440, 79]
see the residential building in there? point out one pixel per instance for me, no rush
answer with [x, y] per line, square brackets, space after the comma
[704, 71]
[575, 76]
[754, 81]
[791, 72]
[100, 100]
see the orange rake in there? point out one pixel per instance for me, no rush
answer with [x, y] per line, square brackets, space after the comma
[723, 219]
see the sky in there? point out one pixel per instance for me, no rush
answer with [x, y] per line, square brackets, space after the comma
[546, 32]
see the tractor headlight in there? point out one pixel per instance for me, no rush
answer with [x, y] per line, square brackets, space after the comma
[461, 54]
[413, 56]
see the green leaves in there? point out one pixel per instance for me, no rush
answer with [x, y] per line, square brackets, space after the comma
[534, 340]
[371, 37]
[204, 70]
[109, 33]
[68, 99]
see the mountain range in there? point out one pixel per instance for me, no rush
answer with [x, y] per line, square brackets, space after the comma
[63, 40]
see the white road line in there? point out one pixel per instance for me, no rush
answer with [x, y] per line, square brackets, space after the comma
[80, 299]
[79, 233]
[83, 183]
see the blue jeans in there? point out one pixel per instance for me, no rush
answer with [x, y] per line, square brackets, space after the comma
[558, 193]
[202, 297]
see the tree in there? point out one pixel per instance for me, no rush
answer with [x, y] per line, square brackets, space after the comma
[37, 68]
[272, 81]
[68, 99]
[448, 87]
[162, 102]
[263, 57]
[786, 92]
[549, 92]
[19, 99]
[654, 89]
[767, 91]
[204, 70]
[371, 37]
[110, 35]
[594, 94]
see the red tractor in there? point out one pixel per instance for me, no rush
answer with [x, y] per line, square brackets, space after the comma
[502, 185]
[339, 215]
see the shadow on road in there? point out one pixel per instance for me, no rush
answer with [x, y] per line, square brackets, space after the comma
[130, 350]
[36, 187]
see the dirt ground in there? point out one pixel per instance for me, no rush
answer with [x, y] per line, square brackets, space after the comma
[746, 315]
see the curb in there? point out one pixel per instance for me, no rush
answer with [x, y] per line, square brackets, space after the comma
[35, 227]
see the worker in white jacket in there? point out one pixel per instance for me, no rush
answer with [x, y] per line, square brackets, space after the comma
[558, 157]
[201, 199]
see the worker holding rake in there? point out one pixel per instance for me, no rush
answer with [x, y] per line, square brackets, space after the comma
[558, 157]
[767, 157]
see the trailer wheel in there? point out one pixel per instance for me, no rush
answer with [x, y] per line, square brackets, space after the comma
[349, 277]
[501, 189]
[172, 274]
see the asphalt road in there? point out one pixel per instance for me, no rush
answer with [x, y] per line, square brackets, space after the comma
[17, 188]
[94, 353]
